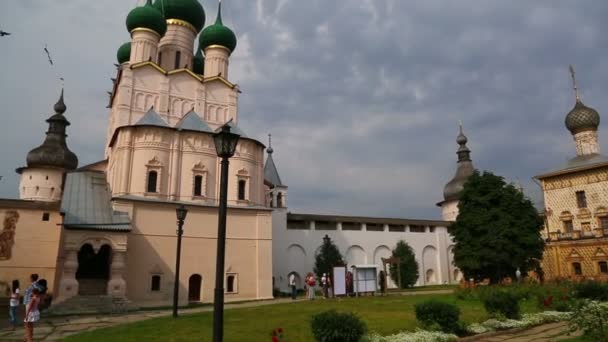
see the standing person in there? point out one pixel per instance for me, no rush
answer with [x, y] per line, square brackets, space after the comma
[32, 315]
[292, 284]
[330, 290]
[382, 282]
[324, 284]
[14, 304]
[311, 286]
[28, 291]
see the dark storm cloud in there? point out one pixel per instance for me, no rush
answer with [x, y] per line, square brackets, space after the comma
[362, 97]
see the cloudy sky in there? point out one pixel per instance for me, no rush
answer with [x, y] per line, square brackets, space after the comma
[362, 97]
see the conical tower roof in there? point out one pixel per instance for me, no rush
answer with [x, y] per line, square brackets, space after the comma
[464, 169]
[54, 151]
[271, 174]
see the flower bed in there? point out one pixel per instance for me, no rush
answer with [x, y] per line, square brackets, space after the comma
[527, 321]
[418, 336]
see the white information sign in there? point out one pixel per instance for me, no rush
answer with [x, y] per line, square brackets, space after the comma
[339, 281]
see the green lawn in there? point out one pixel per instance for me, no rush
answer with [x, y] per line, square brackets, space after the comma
[385, 315]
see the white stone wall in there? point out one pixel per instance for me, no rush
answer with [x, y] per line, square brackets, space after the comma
[40, 184]
[294, 250]
[586, 143]
[449, 210]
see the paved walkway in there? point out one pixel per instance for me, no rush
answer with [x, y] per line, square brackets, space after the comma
[542, 333]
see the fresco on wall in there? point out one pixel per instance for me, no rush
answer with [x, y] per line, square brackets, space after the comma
[7, 235]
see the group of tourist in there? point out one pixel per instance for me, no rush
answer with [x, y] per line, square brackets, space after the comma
[32, 298]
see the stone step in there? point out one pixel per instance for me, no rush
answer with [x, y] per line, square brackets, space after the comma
[92, 305]
[92, 287]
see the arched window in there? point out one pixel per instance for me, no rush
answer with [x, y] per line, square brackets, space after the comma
[178, 56]
[279, 200]
[198, 185]
[576, 267]
[160, 58]
[231, 283]
[242, 185]
[155, 284]
[152, 181]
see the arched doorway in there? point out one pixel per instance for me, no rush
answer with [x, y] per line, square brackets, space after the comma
[194, 288]
[93, 270]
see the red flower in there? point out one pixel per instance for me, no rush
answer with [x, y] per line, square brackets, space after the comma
[275, 339]
[280, 330]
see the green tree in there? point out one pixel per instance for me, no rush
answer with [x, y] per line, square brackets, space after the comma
[327, 257]
[408, 265]
[497, 230]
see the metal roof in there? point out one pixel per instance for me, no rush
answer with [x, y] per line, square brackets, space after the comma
[87, 203]
[233, 129]
[363, 219]
[193, 122]
[270, 172]
[151, 118]
[578, 163]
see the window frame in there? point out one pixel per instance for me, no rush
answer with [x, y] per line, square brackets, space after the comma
[235, 283]
[149, 173]
[241, 190]
[599, 267]
[581, 199]
[568, 226]
[577, 271]
[152, 283]
[178, 57]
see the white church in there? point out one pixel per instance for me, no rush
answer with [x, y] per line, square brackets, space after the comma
[107, 230]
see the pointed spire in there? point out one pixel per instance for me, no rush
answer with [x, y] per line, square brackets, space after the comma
[269, 149]
[464, 154]
[573, 75]
[218, 20]
[60, 107]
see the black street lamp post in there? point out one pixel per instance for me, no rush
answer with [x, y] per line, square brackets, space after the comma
[225, 146]
[181, 213]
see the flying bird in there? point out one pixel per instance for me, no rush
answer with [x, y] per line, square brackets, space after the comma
[3, 33]
[48, 54]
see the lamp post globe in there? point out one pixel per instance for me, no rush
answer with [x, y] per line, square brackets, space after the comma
[180, 212]
[225, 146]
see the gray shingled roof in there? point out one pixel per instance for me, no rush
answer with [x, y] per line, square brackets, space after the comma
[87, 203]
[151, 118]
[193, 122]
[234, 129]
[578, 163]
[270, 172]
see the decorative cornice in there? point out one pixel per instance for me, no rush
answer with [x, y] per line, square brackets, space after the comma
[143, 29]
[219, 78]
[188, 71]
[216, 46]
[152, 64]
[183, 23]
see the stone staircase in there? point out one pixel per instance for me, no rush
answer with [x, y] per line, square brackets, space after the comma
[92, 287]
[79, 305]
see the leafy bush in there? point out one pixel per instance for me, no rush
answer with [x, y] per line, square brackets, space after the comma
[333, 326]
[417, 336]
[592, 290]
[433, 314]
[592, 318]
[502, 303]
[466, 294]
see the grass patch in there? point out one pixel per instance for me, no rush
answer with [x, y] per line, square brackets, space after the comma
[425, 288]
[384, 315]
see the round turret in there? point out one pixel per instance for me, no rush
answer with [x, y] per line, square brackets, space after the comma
[218, 34]
[189, 11]
[582, 118]
[124, 53]
[147, 17]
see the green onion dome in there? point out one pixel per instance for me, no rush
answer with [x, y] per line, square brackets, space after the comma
[198, 64]
[124, 53]
[147, 17]
[218, 34]
[582, 118]
[190, 11]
